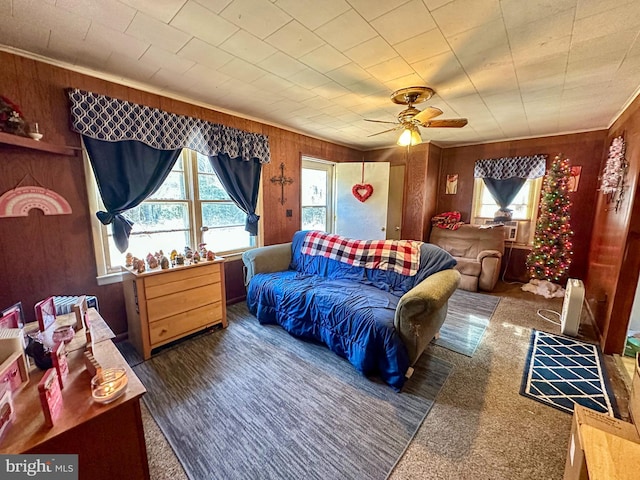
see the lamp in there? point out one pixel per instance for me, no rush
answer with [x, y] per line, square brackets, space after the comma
[410, 136]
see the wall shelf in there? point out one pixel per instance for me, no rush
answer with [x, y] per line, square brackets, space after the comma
[18, 141]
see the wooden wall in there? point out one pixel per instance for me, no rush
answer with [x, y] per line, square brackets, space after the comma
[49, 255]
[614, 256]
[583, 149]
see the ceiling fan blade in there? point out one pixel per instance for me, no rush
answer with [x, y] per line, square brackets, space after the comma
[380, 121]
[451, 123]
[385, 131]
[427, 114]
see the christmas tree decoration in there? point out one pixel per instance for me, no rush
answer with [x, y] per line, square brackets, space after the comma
[552, 247]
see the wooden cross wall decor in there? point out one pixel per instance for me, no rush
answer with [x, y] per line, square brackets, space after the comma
[282, 180]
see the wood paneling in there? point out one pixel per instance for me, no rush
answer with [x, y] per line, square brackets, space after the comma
[614, 256]
[583, 149]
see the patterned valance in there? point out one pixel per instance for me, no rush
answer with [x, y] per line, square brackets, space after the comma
[508, 167]
[112, 120]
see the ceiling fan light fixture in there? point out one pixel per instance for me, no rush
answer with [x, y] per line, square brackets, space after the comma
[409, 137]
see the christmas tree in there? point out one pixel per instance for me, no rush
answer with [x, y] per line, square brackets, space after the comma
[552, 248]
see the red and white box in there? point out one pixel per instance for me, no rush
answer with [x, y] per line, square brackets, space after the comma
[7, 412]
[45, 313]
[50, 396]
[59, 360]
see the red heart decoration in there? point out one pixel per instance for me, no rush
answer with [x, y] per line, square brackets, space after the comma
[362, 191]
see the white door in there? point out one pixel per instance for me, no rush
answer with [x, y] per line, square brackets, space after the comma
[362, 220]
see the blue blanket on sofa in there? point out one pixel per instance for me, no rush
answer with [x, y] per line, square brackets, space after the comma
[350, 309]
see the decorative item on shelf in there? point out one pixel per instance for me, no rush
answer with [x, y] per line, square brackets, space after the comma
[128, 262]
[211, 255]
[153, 262]
[140, 267]
[11, 118]
[63, 334]
[188, 255]
[50, 396]
[59, 360]
[282, 181]
[164, 263]
[362, 191]
[109, 385]
[202, 248]
[10, 319]
[196, 257]
[179, 259]
[172, 256]
[91, 364]
[34, 131]
[16, 307]
[612, 180]
[80, 309]
[19, 201]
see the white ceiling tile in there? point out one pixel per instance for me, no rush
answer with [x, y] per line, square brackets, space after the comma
[346, 31]
[461, 15]
[489, 81]
[104, 38]
[241, 70]
[148, 29]
[325, 59]
[615, 46]
[5, 8]
[540, 50]
[201, 76]
[297, 92]
[205, 54]
[587, 8]
[395, 27]
[517, 13]
[110, 13]
[282, 65]
[295, 39]
[371, 52]
[272, 84]
[18, 34]
[373, 9]
[426, 45]
[537, 34]
[348, 74]
[259, 17]
[215, 6]
[330, 90]
[412, 79]
[167, 61]
[490, 37]
[309, 79]
[70, 49]
[308, 12]
[440, 71]
[244, 45]
[608, 22]
[163, 10]
[168, 80]
[433, 4]
[34, 14]
[200, 22]
[129, 69]
[390, 69]
[546, 67]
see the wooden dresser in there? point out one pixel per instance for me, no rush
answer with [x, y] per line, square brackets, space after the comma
[165, 305]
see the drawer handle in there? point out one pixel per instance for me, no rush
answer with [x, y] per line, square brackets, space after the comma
[163, 331]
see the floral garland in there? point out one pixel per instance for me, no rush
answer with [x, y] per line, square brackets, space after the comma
[11, 119]
[614, 170]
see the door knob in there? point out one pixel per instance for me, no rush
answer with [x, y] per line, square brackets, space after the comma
[397, 229]
[383, 229]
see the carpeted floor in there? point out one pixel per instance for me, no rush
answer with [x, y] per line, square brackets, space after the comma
[480, 427]
[278, 407]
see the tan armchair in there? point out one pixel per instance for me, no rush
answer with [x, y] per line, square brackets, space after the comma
[478, 252]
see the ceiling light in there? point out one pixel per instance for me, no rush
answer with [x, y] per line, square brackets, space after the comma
[410, 136]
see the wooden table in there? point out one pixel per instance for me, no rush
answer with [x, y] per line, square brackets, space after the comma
[109, 439]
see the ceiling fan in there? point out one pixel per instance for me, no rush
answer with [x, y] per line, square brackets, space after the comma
[411, 118]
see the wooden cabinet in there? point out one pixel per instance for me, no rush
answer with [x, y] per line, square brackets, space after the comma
[166, 305]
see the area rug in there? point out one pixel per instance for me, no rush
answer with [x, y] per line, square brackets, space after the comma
[467, 319]
[251, 401]
[562, 371]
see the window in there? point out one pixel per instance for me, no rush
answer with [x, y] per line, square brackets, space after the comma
[190, 207]
[524, 206]
[317, 195]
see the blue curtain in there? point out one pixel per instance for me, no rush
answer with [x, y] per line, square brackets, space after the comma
[504, 190]
[241, 180]
[127, 173]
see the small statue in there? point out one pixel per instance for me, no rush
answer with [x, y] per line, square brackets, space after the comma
[164, 263]
[153, 262]
[173, 255]
[149, 257]
[202, 249]
[179, 259]
[140, 266]
[188, 253]
[210, 256]
[128, 260]
[196, 257]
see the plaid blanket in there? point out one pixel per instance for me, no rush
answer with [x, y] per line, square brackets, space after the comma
[400, 256]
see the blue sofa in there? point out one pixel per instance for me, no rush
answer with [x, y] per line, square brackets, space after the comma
[379, 320]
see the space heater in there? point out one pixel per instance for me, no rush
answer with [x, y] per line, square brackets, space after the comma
[572, 307]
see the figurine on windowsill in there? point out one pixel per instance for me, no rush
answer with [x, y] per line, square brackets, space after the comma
[210, 256]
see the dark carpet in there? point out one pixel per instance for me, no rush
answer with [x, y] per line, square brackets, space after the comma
[251, 401]
[467, 319]
[562, 371]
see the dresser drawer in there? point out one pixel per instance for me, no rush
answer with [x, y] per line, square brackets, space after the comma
[179, 274]
[181, 284]
[163, 331]
[179, 302]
